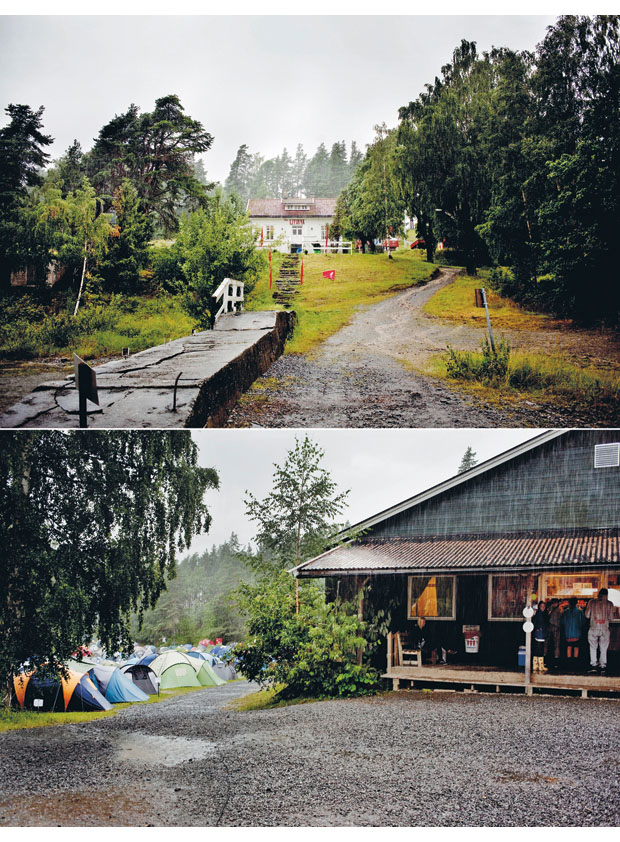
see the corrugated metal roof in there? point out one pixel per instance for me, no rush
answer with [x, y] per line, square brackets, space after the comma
[470, 552]
[276, 208]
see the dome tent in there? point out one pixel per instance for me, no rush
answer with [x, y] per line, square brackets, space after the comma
[174, 670]
[143, 677]
[115, 685]
[71, 692]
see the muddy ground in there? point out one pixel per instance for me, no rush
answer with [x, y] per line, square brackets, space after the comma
[358, 378]
[410, 758]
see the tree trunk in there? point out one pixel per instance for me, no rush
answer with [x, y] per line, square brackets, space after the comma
[77, 303]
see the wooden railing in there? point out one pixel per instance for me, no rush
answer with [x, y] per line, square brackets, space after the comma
[230, 292]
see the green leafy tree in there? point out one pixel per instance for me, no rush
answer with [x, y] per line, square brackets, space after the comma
[76, 231]
[214, 243]
[22, 157]
[90, 524]
[371, 206]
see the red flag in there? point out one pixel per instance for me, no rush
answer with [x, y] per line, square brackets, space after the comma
[301, 275]
[330, 274]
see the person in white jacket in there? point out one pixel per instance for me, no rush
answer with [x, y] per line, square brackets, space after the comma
[599, 612]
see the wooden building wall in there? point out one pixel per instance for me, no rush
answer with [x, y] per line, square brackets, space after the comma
[554, 486]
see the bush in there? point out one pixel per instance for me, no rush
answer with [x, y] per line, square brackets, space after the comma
[489, 366]
[312, 653]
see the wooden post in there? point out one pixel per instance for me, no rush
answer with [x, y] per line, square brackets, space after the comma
[389, 651]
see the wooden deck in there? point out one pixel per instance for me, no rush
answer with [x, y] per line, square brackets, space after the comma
[472, 679]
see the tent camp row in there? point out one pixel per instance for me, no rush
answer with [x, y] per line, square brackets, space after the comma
[87, 686]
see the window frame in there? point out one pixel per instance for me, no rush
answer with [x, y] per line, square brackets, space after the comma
[410, 579]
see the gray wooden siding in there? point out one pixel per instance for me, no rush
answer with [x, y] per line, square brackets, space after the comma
[553, 487]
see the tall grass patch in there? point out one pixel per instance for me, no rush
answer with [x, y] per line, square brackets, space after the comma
[545, 378]
[101, 328]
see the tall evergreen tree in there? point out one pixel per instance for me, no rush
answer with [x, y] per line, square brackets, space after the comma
[22, 157]
[155, 151]
[468, 461]
[338, 168]
[317, 173]
[238, 180]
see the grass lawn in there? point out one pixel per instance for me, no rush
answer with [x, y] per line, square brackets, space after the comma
[15, 720]
[534, 375]
[324, 306]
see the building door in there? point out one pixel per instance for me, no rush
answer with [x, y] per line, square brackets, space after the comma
[472, 610]
[297, 237]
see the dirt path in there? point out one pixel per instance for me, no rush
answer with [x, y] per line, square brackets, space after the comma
[357, 377]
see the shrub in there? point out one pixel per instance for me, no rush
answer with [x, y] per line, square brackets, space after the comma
[313, 653]
[486, 366]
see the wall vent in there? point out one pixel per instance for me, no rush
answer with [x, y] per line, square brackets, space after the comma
[607, 455]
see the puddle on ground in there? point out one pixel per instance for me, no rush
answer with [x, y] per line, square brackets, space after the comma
[167, 751]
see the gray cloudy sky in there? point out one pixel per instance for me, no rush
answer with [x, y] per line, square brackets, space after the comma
[268, 81]
[380, 467]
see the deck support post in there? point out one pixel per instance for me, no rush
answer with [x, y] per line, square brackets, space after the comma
[395, 683]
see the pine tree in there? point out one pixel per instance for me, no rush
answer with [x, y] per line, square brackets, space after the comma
[468, 461]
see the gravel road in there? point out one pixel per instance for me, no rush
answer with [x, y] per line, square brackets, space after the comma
[410, 758]
[358, 376]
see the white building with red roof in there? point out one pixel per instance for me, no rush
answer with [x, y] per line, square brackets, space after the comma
[288, 225]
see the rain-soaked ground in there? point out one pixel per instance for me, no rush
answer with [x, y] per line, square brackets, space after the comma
[362, 376]
[401, 759]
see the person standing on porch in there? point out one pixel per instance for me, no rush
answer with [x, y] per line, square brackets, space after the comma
[553, 638]
[573, 626]
[539, 637]
[599, 612]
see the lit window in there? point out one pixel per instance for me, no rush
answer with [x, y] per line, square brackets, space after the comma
[431, 596]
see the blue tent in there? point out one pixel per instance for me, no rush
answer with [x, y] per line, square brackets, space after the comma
[115, 686]
[147, 659]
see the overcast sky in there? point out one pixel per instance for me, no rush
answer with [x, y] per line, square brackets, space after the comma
[380, 467]
[268, 81]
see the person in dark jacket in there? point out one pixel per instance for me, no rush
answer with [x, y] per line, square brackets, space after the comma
[553, 633]
[539, 637]
[573, 626]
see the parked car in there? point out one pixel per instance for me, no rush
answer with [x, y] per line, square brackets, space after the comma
[418, 244]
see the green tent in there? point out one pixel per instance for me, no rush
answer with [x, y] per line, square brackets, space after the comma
[174, 670]
[205, 674]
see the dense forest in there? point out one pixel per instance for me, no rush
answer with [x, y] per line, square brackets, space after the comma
[325, 174]
[198, 602]
[513, 160]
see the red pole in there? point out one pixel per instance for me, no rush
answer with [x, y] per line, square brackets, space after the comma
[326, 234]
[261, 237]
[270, 268]
[301, 277]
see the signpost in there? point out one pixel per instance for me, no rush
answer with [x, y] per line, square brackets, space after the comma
[86, 384]
[481, 301]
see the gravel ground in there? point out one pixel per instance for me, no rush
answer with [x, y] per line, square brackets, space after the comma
[402, 759]
[361, 376]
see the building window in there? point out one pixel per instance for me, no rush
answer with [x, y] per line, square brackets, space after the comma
[269, 232]
[297, 232]
[508, 596]
[431, 596]
[323, 232]
[564, 585]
